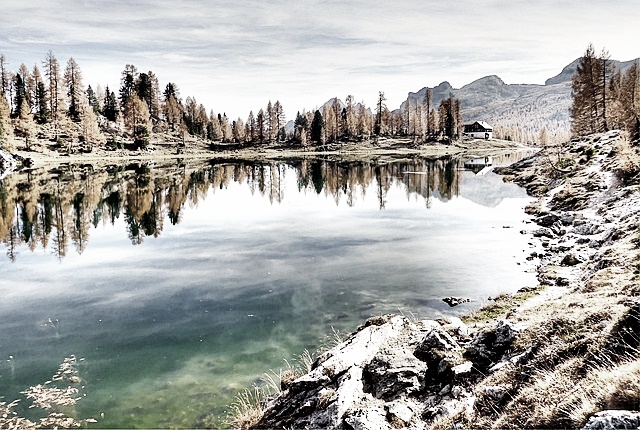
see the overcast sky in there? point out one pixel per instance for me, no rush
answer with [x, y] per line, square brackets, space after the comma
[235, 56]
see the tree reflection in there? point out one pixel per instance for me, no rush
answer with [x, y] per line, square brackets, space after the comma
[61, 206]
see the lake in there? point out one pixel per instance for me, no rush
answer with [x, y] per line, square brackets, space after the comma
[179, 284]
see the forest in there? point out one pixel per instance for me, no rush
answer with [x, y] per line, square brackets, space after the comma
[54, 105]
[603, 98]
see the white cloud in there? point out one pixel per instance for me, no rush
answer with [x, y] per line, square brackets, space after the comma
[235, 56]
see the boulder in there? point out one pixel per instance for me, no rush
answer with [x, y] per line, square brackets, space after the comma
[439, 339]
[543, 232]
[588, 229]
[393, 372]
[613, 419]
[570, 260]
[547, 220]
[455, 327]
[488, 346]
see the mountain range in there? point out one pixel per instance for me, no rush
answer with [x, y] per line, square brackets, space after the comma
[518, 110]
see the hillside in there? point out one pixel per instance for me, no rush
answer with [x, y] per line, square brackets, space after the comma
[518, 111]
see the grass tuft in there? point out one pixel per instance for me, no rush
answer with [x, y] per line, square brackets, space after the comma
[246, 410]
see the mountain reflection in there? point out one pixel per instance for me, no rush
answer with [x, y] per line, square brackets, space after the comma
[55, 209]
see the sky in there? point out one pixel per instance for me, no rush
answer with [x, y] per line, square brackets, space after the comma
[235, 56]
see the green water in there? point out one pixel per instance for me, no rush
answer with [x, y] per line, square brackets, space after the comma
[181, 285]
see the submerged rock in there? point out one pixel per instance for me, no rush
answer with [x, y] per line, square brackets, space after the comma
[455, 301]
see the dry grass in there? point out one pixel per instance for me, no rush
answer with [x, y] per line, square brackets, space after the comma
[246, 410]
[628, 163]
[565, 397]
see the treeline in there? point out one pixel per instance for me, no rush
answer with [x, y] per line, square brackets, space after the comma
[337, 121]
[604, 98]
[54, 104]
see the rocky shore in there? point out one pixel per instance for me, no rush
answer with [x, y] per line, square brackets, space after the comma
[561, 355]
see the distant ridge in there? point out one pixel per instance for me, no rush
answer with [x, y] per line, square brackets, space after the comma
[518, 110]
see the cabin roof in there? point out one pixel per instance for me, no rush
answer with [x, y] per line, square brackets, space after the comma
[483, 125]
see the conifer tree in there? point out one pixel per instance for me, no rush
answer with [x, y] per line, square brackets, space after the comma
[279, 121]
[39, 97]
[301, 128]
[56, 99]
[317, 128]
[146, 87]
[590, 96]
[137, 120]
[351, 117]
[75, 89]
[128, 82]
[5, 80]
[270, 122]
[173, 110]
[42, 104]
[225, 126]
[630, 100]
[6, 128]
[202, 121]
[381, 106]
[24, 125]
[238, 130]
[88, 122]
[450, 118]
[251, 127]
[92, 98]
[20, 95]
[214, 123]
[110, 105]
[29, 84]
[427, 101]
[260, 126]
[365, 121]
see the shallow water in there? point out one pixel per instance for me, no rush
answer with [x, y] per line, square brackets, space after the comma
[179, 285]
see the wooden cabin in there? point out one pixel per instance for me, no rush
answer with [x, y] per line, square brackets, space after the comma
[479, 130]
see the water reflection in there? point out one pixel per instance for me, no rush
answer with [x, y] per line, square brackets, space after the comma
[55, 209]
[252, 263]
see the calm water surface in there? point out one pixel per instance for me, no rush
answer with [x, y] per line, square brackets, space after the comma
[179, 285]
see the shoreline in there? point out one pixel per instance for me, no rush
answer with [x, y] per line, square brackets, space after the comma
[43, 155]
[562, 354]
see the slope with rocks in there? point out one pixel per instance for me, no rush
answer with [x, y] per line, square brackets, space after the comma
[563, 354]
